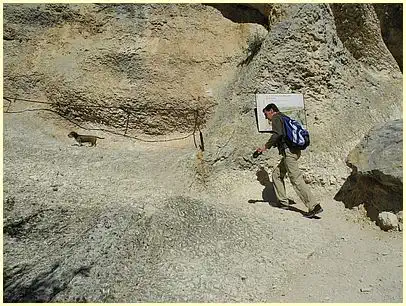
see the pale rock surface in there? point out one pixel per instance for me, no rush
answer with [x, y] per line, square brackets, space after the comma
[159, 63]
[387, 221]
[131, 221]
[349, 84]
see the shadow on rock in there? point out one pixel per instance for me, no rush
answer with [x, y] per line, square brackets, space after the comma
[240, 13]
[377, 197]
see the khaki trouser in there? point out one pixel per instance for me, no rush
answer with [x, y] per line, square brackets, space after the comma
[289, 165]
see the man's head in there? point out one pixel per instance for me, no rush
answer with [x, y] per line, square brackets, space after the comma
[270, 110]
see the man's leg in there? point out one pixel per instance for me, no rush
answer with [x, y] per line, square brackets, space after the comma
[278, 176]
[296, 178]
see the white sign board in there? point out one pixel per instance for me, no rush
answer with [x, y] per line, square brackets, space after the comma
[291, 105]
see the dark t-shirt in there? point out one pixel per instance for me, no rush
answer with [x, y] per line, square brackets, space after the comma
[278, 133]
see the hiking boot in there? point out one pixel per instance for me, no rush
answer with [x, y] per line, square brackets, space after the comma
[316, 210]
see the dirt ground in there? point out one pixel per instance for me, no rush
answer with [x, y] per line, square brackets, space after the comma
[220, 243]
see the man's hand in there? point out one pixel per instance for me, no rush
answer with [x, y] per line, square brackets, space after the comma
[258, 152]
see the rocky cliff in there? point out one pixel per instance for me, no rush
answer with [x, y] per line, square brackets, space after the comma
[163, 69]
[159, 62]
[349, 79]
[127, 221]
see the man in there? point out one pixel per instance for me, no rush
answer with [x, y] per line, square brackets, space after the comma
[288, 165]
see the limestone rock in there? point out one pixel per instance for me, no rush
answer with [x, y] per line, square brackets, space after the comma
[377, 172]
[309, 51]
[359, 26]
[159, 63]
[392, 28]
[388, 221]
[380, 152]
[155, 64]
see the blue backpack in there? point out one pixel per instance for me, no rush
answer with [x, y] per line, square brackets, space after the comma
[296, 136]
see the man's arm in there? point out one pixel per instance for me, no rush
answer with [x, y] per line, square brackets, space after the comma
[277, 134]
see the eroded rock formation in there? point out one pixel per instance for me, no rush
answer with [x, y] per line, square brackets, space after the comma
[377, 171]
[117, 224]
[148, 68]
[158, 62]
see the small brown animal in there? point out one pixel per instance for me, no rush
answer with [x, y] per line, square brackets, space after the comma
[84, 138]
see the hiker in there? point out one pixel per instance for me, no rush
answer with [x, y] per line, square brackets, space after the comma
[288, 164]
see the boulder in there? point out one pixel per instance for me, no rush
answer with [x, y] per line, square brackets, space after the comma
[387, 221]
[379, 154]
[377, 171]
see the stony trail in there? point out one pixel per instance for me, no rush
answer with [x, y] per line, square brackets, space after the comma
[126, 222]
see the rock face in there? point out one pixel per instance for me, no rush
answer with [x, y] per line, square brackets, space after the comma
[156, 63]
[377, 171]
[118, 224]
[349, 84]
[358, 26]
[166, 68]
[392, 28]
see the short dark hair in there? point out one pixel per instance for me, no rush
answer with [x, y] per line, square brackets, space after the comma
[271, 106]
